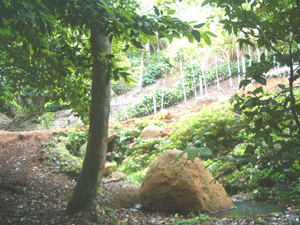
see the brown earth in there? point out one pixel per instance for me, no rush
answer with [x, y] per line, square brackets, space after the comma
[30, 193]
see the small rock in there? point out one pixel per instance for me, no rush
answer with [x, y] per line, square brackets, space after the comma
[163, 115]
[167, 130]
[109, 168]
[116, 177]
[151, 131]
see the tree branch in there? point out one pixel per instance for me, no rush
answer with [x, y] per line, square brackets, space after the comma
[268, 42]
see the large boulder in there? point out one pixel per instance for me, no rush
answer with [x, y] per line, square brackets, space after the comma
[181, 187]
[151, 131]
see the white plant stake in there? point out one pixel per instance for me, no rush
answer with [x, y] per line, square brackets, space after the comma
[250, 60]
[201, 88]
[229, 74]
[182, 77]
[238, 64]
[154, 103]
[163, 94]
[195, 88]
[217, 75]
[244, 66]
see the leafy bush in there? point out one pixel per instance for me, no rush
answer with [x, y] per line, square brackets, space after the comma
[46, 120]
[155, 67]
[221, 137]
[120, 87]
[271, 136]
[59, 159]
[136, 167]
[125, 137]
[75, 139]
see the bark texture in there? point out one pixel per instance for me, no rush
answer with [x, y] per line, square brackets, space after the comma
[298, 8]
[87, 186]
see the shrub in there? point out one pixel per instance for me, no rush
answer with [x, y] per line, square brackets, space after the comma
[75, 139]
[221, 137]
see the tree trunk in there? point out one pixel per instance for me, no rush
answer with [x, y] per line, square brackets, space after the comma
[87, 186]
[298, 8]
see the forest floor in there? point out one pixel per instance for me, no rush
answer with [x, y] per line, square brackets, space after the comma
[31, 193]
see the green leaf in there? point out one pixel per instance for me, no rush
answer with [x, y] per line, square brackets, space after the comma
[196, 35]
[199, 25]
[192, 153]
[250, 150]
[244, 83]
[137, 44]
[211, 33]
[156, 10]
[109, 56]
[258, 123]
[296, 76]
[152, 39]
[171, 12]
[281, 86]
[260, 80]
[126, 48]
[257, 90]
[244, 41]
[206, 38]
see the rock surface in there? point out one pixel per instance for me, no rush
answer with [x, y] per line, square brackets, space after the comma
[167, 130]
[109, 168]
[181, 187]
[164, 115]
[151, 131]
[116, 177]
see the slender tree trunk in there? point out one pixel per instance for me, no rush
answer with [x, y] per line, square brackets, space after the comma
[87, 186]
[298, 7]
[291, 88]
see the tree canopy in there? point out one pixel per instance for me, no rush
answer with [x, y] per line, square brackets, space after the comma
[45, 46]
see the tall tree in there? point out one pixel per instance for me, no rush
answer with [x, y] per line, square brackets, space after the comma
[104, 22]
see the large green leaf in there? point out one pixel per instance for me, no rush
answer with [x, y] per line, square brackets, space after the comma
[206, 38]
[196, 35]
[192, 153]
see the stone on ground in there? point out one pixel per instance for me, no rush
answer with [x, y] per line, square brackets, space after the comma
[167, 130]
[181, 187]
[164, 115]
[116, 177]
[109, 168]
[151, 131]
